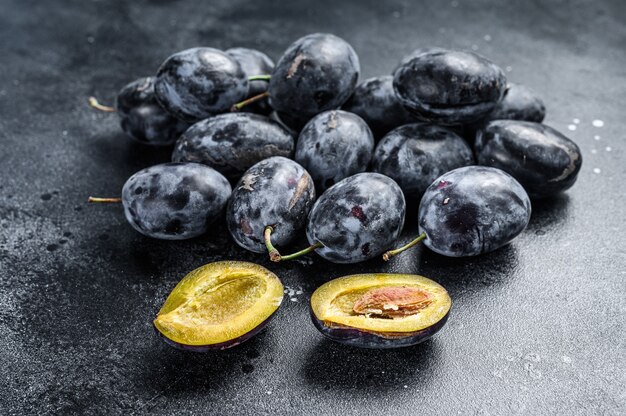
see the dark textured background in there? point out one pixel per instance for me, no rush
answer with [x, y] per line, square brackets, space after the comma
[536, 328]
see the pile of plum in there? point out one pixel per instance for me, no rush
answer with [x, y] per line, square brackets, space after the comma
[300, 145]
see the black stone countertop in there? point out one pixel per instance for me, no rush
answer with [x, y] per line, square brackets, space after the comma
[536, 328]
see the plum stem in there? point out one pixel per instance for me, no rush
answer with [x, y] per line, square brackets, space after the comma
[93, 103]
[98, 199]
[241, 104]
[275, 256]
[260, 78]
[389, 254]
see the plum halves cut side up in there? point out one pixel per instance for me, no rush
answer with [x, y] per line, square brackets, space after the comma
[380, 310]
[219, 305]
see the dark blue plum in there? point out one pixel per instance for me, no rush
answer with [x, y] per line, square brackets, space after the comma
[231, 143]
[414, 155]
[543, 160]
[200, 82]
[318, 72]
[473, 210]
[519, 103]
[357, 219]
[174, 201]
[254, 62]
[449, 87]
[334, 145]
[375, 101]
[143, 119]
[275, 192]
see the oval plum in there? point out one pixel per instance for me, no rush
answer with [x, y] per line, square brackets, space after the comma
[543, 160]
[174, 201]
[233, 142]
[334, 145]
[275, 192]
[449, 87]
[357, 219]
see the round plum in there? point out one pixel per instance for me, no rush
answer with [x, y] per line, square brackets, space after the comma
[230, 143]
[275, 192]
[519, 103]
[414, 155]
[143, 119]
[334, 145]
[375, 101]
[449, 87]
[472, 210]
[357, 219]
[543, 160]
[174, 201]
[197, 83]
[318, 72]
[253, 63]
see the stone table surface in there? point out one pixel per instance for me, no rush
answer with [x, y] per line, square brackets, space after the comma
[537, 327]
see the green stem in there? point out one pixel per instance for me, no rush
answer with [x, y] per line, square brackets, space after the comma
[260, 78]
[275, 256]
[389, 254]
[97, 199]
[240, 105]
[93, 103]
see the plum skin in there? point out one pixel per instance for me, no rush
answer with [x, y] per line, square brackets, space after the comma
[414, 155]
[543, 160]
[357, 219]
[448, 87]
[275, 192]
[200, 82]
[375, 101]
[473, 210]
[143, 119]
[174, 201]
[317, 72]
[334, 145]
[231, 143]
[356, 337]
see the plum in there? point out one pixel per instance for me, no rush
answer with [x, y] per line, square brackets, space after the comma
[354, 220]
[519, 103]
[254, 63]
[382, 310]
[470, 211]
[277, 193]
[200, 82]
[375, 101]
[543, 160]
[448, 87]
[218, 306]
[318, 72]
[174, 201]
[334, 145]
[233, 142]
[414, 155]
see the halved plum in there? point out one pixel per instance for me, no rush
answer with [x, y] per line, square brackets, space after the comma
[219, 305]
[380, 310]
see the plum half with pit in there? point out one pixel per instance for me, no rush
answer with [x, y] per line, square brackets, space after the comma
[277, 193]
[218, 306]
[334, 145]
[231, 143]
[174, 201]
[449, 87]
[381, 310]
[543, 160]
